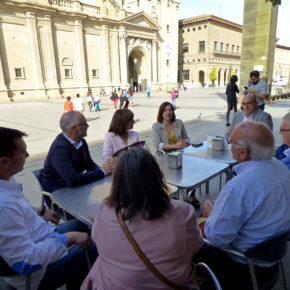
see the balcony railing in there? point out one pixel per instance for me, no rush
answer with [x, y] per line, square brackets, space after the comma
[227, 53]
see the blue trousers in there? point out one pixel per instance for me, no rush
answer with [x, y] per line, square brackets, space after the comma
[173, 103]
[97, 108]
[72, 268]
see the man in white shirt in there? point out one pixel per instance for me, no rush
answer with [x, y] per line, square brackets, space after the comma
[78, 104]
[251, 208]
[251, 112]
[28, 244]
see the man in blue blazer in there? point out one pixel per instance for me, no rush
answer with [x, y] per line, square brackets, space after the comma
[68, 162]
[283, 152]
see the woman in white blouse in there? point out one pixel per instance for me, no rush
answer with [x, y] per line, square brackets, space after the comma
[119, 134]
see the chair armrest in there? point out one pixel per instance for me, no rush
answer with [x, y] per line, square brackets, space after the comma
[160, 152]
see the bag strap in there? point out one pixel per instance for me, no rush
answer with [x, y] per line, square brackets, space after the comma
[143, 257]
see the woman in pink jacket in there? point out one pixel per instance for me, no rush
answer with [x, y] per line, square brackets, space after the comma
[165, 230]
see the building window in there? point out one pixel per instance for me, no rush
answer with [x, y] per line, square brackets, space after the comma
[238, 49]
[233, 48]
[199, 27]
[182, 30]
[19, 73]
[188, 30]
[221, 46]
[193, 29]
[185, 47]
[167, 62]
[202, 46]
[95, 73]
[68, 73]
[167, 28]
[205, 27]
[185, 75]
[227, 49]
[215, 46]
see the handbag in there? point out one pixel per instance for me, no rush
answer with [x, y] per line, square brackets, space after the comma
[143, 257]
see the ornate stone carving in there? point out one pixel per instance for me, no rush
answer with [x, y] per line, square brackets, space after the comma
[133, 42]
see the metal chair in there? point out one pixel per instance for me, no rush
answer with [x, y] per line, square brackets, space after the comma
[204, 271]
[6, 271]
[271, 251]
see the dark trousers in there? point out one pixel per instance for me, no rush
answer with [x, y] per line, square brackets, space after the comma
[231, 274]
[72, 268]
[261, 107]
[230, 107]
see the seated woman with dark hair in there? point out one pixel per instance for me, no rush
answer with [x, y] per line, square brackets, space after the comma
[168, 132]
[120, 134]
[165, 230]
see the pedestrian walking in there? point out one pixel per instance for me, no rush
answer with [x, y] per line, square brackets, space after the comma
[78, 104]
[114, 97]
[231, 92]
[122, 99]
[148, 92]
[174, 95]
[97, 100]
[68, 105]
[90, 100]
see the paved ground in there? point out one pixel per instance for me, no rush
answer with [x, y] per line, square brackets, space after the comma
[202, 110]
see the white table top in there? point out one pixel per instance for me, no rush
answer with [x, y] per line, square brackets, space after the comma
[82, 201]
[207, 153]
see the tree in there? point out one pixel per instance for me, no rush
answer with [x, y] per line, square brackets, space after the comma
[213, 75]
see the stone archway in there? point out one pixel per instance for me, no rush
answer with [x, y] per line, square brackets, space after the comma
[139, 69]
[201, 77]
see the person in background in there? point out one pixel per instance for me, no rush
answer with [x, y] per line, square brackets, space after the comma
[122, 99]
[120, 133]
[174, 95]
[114, 97]
[90, 100]
[148, 92]
[68, 105]
[283, 152]
[141, 196]
[78, 104]
[231, 92]
[97, 100]
[258, 88]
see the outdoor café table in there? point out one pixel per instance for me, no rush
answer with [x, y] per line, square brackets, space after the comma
[82, 200]
[194, 172]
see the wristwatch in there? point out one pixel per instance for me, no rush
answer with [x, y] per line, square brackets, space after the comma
[43, 209]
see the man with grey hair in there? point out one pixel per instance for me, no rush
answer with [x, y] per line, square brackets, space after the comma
[252, 207]
[283, 152]
[68, 162]
[251, 112]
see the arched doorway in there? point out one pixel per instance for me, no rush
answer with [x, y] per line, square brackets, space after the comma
[225, 77]
[219, 77]
[138, 69]
[201, 77]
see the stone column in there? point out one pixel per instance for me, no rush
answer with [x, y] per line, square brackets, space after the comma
[258, 41]
[115, 58]
[154, 61]
[35, 53]
[106, 55]
[80, 57]
[49, 57]
[123, 56]
[3, 87]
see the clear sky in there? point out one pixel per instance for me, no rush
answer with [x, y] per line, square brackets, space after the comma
[233, 11]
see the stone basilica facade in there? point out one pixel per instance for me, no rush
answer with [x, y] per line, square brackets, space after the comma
[57, 48]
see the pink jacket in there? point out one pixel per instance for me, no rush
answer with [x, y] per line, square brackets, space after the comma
[169, 243]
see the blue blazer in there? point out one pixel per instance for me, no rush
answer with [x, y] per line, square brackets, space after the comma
[65, 166]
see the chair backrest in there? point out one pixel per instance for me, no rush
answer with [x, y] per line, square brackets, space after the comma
[203, 271]
[37, 173]
[271, 250]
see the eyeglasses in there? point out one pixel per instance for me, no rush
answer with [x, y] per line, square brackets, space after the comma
[284, 130]
[248, 103]
[82, 124]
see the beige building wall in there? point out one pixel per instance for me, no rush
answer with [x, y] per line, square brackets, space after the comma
[222, 50]
[51, 48]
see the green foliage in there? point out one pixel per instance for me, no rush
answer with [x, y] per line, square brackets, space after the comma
[274, 2]
[213, 75]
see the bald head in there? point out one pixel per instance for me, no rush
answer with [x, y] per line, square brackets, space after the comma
[257, 138]
[70, 119]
